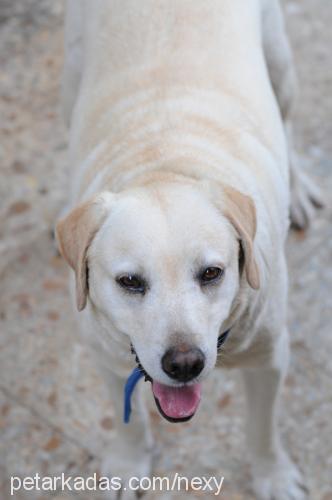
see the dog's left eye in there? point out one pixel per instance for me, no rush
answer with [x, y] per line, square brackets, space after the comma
[211, 275]
[132, 283]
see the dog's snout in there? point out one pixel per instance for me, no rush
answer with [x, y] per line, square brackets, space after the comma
[183, 365]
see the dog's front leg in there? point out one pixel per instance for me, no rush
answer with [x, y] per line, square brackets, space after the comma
[275, 477]
[130, 455]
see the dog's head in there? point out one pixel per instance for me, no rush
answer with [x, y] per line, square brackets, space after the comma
[163, 263]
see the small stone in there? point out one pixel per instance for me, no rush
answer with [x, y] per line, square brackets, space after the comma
[5, 409]
[53, 285]
[53, 315]
[52, 444]
[224, 401]
[18, 207]
[18, 167]
[107, 423]
[52, 399]
[23, 258]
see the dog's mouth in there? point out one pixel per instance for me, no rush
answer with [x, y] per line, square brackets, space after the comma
[175, 403]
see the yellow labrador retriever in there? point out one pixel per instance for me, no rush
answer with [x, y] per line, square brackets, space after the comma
[180, 209]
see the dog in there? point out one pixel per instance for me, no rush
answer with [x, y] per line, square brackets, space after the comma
[180, 147]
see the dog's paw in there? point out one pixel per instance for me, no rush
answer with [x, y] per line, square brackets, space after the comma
[280, 480]
[126, 469]
[306, 197]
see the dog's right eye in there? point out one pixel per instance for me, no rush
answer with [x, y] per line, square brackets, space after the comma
[132, 283]
[211, 275]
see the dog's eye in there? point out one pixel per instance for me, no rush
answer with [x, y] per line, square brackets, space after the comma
[132, 283]
[211, 275]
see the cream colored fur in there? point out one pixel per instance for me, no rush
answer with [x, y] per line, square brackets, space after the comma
[178, 153]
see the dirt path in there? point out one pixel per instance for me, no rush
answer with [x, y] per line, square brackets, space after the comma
[55, 415]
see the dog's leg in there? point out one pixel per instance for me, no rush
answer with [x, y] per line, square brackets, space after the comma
[275, 477]
[130, 454]
[305, 195]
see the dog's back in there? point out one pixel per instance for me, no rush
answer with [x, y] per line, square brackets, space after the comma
[162, 76]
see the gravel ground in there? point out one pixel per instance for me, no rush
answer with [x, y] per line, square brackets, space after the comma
[55, 413]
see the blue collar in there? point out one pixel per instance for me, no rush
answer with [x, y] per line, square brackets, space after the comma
[132, 380]
[137, 374]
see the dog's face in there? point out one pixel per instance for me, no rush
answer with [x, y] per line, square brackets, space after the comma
[163, 269]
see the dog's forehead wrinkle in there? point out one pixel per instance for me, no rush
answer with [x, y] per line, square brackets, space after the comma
[176, 209]
[162, 239]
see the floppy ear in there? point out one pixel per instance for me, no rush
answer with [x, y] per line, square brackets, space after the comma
[240, 211]
[75, 233]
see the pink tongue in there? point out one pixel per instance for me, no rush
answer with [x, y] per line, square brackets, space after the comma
[177, 402]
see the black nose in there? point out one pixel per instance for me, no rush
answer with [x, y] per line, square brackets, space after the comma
[183, 364]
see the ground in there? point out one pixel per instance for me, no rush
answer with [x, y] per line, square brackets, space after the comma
[55, 414]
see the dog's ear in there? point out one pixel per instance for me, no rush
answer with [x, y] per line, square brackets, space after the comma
[75, 233]
[240, 210]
